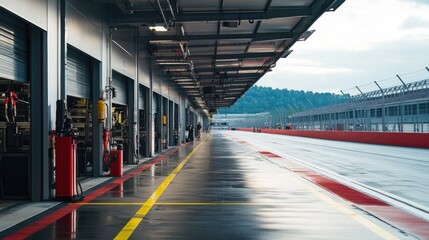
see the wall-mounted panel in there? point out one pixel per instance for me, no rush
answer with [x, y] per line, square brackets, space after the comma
[157, 79]
[174, 95]
[144, 71]
[165, 88]
[84, 28]
[34, 11]
[124, 52]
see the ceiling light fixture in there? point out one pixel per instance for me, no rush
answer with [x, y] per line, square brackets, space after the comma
[158, 28]
[306, 35]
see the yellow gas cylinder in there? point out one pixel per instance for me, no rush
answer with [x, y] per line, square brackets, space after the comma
[164, 120]
[101, 110]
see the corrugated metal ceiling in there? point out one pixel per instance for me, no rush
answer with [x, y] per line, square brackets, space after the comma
[215, 50]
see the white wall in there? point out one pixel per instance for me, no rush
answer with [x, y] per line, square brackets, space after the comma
[84, 28]
[174, 93]
[34, 11]
[53, 38]
[124, 52]
[157, 80]
[144, 75]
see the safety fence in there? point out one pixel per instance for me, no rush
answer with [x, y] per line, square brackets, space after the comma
[401, 108]
[417, 140]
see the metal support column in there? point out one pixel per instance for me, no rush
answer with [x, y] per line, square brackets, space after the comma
[39, 160]
[132, 122]
[97, 127]
[150, 135]
[63, 50]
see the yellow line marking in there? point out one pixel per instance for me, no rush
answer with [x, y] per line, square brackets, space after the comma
[131, 226]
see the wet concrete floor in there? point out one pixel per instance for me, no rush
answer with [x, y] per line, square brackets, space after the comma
[214, 188]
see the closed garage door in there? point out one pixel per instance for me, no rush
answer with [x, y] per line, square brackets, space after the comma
[141, 97]
[13, 48]
[120, 83]
[78, 74]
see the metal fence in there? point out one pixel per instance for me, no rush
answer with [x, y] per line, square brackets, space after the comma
[401, 108]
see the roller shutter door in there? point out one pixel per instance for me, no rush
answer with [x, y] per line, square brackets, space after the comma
[13, 48]
[121, 86]
[155, 104]
[141, 97]
[78, 74]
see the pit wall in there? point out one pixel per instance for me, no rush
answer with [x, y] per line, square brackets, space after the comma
[417, 140]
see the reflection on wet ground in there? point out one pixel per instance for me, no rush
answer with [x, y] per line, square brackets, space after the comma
[223, 191]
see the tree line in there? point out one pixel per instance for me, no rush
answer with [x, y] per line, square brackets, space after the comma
[266, 99]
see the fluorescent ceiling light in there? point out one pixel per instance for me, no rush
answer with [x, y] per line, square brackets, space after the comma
[186, 83]
[158, 28]
[183, 30]
[172, 63]
[183, 80]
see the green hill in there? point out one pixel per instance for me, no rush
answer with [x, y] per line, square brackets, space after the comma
[265, 99]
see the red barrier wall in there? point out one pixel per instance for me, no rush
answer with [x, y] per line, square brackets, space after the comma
[418, 140]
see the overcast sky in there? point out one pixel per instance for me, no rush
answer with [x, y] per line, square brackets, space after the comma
[361, 42]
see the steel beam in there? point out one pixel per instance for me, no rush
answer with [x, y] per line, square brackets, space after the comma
[235, 77]
[228, 69]
[222, 56]
[153, 17]
[255, 37]
[191, 45]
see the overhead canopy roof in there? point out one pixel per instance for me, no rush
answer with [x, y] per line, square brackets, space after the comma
[215, 50]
